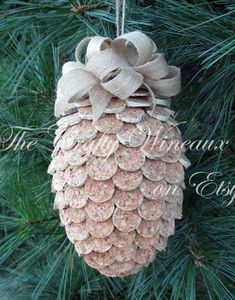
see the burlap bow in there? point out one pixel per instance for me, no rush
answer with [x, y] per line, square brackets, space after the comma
[115, 68]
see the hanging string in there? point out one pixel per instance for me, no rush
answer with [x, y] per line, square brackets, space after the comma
[118, 6]
[123, 15]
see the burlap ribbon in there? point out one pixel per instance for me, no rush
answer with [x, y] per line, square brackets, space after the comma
[115, 68]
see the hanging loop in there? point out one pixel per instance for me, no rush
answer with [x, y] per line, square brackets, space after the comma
[118, 12]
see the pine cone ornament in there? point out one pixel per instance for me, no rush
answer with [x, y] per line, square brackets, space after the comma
[118, 168]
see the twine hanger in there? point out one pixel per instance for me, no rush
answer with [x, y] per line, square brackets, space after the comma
[118, 6]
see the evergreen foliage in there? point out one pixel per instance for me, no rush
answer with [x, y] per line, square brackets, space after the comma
[37, 37]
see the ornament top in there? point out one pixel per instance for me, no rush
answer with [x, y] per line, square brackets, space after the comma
[114, 69]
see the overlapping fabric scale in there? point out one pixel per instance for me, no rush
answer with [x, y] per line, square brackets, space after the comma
[118, 180]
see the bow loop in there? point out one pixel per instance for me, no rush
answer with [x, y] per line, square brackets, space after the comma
[96, 45]
[155, 69]
[70, 66]
[105, 62]
[136, 47]
[169, 85]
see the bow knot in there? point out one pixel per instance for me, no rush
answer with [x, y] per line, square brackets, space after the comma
[115, 68]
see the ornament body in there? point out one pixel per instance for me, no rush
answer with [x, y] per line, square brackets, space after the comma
[118, 180]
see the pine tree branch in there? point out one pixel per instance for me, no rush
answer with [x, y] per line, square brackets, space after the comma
[40, 221]
[81, 10]
[37, 37]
